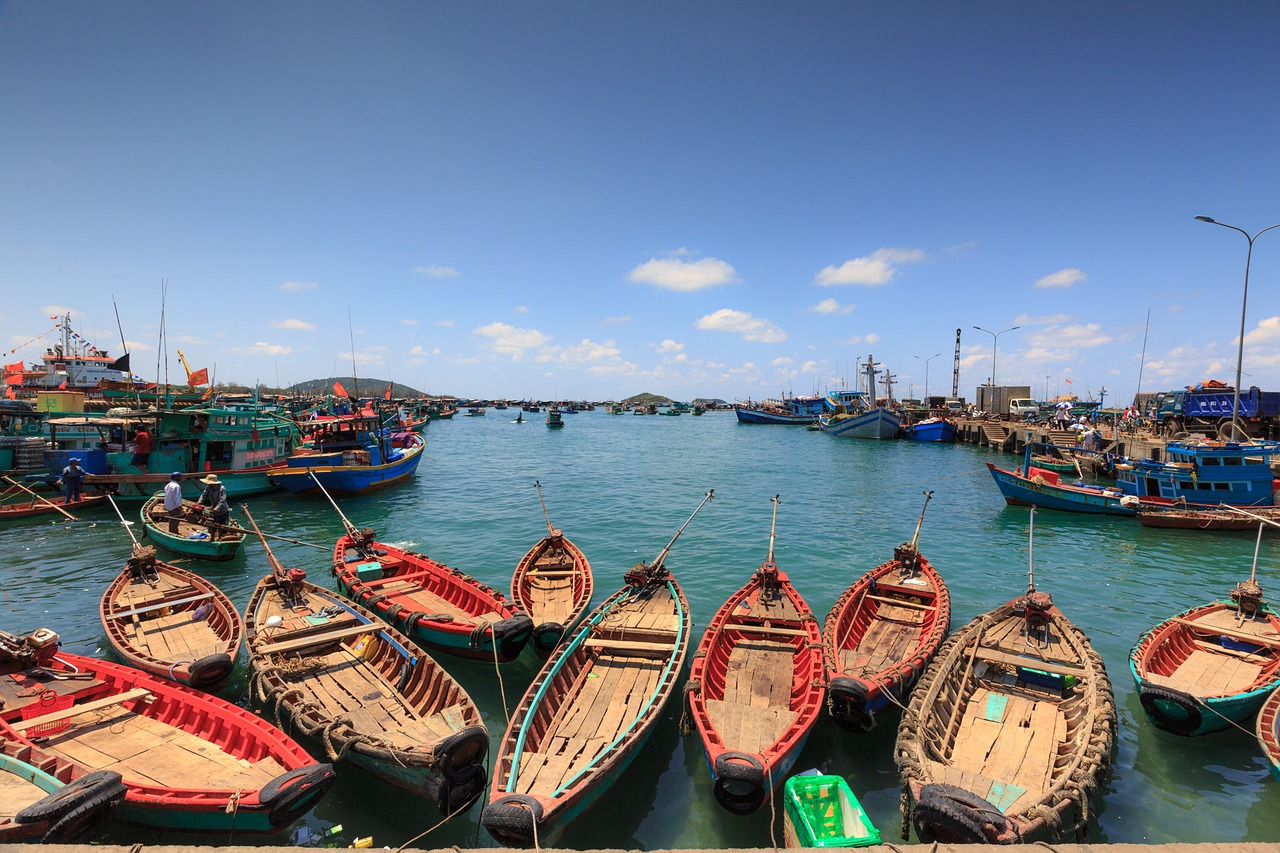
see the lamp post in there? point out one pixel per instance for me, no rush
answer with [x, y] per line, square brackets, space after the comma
[1244, 303]
[995, 336]
[926, 372]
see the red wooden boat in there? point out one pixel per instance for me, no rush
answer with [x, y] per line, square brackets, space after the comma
[1267, 729]
[437, 606]
[171, 622]
[553, 585]
[881, 634]
[755, 686]
[190, 760]
[24, 505]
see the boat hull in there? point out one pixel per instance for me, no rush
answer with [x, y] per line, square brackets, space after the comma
[940, 431]
[218, 550]
[350, 479]
[553, 585]
[1267, 730]
[1019, 490]
[878, 423]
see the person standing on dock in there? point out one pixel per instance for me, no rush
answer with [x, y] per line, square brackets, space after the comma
[214, 500]
[71, 480]
[173, 501]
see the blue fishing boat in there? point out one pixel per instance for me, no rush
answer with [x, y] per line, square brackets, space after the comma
[1204, 472]
[783, 410]
[351, 454]
[931, 429]
[1031, 485]
[857, 414]
[1212, 666]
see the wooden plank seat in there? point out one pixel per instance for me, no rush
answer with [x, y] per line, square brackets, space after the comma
[160, 605]
[393, 579]
[84, 708]
[899, 602]
[1054, 667]
[296, 643]
[557, 573]
[765, 629]
[631, 647]
[1228, 632]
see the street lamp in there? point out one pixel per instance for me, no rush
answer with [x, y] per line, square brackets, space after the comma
[926, 372]
[1236, 428]
[995, 336]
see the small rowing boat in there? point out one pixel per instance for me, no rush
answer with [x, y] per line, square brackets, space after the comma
[189, 759]
[434, 605]
[882, 633]
[1212, 666]
[1203, 517]
[362, 692]
[171, 622]
[36, 805]
[191, 538]
[552, 585]
[755, 686]
[1267, 729]
[591, 708]
[1010, 731]
[19, 503]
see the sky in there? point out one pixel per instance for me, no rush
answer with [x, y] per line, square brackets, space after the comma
[586, 200]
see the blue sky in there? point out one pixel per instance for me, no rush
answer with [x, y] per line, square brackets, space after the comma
[591, 200]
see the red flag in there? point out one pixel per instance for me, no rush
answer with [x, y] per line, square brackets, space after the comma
[16, 367]
[13, 379]
[10, 393]
[340, 391]
[63, 386]
[198, 377]
[1066, 380]
[388, 394]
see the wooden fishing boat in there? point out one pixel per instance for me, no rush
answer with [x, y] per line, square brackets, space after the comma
[882, 633]
[190, 760]
[1010, 731]
[36, 805]
[1202, 517]
[1045, 489]
[1268, 732]
[1056, 463]
[362, 692]
[194, 538]
[554, 419]
[552, 585]
[19, 503]
[350, 454]
[590, 709]
[171, 622]
[1212, 666]
[755, 686]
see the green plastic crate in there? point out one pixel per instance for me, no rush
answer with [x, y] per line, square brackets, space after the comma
[821, 811]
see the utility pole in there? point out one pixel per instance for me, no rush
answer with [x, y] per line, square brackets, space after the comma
[955, 371]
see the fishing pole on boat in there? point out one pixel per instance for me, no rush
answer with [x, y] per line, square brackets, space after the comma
[40, 498]
[551, 531]
[277, 568]
[126, 524]
[656, 565]
[915, 537]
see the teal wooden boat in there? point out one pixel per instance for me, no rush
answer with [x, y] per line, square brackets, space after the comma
[194, 538]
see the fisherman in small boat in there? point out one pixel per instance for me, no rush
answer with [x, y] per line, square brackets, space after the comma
[71, 479]
[173, 501]
[214, 501]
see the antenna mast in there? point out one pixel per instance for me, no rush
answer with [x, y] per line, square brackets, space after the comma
[955, 371]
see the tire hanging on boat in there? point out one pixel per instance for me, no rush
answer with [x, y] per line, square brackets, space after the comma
[1155, 701]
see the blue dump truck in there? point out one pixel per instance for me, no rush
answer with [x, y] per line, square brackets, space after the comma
[1207, 407]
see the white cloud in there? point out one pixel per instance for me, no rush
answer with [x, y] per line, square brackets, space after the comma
[871, 338]
[624, 318]
[684, 276]
[445, 323]
[298, 285]
[849, 341]
[263, 348]
[437, 271]
[584, 352]
[668, 346]
[1046, 320]
[294, 325]
[373, 355]
[409, 321]
[522, 309]
[751, 328]
[57, 312]
[1267, 333]
[873, 270]
[508, 340]
[137, 346]
[1062, 278]
[782, 361]
[830, 306]
[417, 351]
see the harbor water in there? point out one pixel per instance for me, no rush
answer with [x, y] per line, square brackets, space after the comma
[619, 487]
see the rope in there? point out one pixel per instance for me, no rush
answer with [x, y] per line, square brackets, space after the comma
[502, 688]
[773, 807]
[686, 717]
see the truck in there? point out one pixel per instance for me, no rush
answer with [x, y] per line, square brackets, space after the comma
[1204, 408]
[996, 399]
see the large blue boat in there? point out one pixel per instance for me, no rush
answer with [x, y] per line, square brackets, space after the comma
[1030, 485]
[1204, 472]
[786, 410]
[857, 414]
[350, 454]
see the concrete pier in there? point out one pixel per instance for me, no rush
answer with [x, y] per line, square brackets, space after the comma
[1011, 437]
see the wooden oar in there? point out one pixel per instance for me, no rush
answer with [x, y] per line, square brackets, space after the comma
[656, 566]
[277, 568]
[228, 529]
[125, 524]
[551, 531]
[346, 522]
[1252, 515]
[41, 499]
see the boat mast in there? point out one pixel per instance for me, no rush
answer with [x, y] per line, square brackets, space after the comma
[777, 499]
[655, 569]
[551, 531]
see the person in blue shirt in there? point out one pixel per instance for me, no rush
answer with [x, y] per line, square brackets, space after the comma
[71, 480]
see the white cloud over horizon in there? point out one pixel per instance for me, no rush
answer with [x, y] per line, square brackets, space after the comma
[293, 324]
[756, 329]
[873, 270]
[1061, 278]
[683, 276]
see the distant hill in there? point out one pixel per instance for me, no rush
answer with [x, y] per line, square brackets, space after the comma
[365, 387]
[647, 398]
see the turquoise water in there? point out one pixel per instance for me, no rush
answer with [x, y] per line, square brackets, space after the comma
[620, 487]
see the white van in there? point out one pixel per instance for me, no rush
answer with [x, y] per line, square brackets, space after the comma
[1020, 407]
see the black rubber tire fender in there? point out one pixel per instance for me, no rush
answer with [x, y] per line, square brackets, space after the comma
[847, 704]
[462, 751]
[1152, 694]
[740, 784]
[512, 634]
[547, 636]
[510, 819]
[459, 795]
[87, 818]
[70, 796]
[411, 619]
[210, 671]
[951, 814]
[291, 795]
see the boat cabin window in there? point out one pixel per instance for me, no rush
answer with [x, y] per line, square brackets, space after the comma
[1232, 460]
[1211, 460]
[1256, 460]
